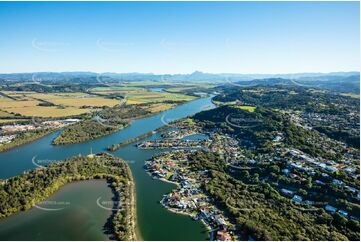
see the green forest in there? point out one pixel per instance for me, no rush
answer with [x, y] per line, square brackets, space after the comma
[101, 123]
[22, 192]
[260, 211]
[307, 101]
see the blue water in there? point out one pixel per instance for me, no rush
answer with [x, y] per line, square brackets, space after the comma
[154, 221]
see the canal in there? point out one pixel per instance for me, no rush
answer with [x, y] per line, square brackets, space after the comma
[154, 221]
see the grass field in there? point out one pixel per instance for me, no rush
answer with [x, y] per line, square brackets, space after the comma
[178, 89]
[236, 104]
[66, 104]
[144, 96]
[21, 96]
[5, 121]
[114, 89]
[5, 114]
[155, 108]
[17, 104]
[4, 99]
[247, 108]
[53, 111]
[136, 95]
[76, 99]
[69, 104]
[79, 102]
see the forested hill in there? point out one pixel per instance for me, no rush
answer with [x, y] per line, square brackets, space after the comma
[261, 211]
[258, 129]
[333, 83]
[297, 98]
[335, 115]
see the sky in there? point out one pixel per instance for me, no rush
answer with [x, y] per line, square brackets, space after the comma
[180, 37]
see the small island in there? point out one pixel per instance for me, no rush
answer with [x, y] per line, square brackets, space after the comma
[23, 192]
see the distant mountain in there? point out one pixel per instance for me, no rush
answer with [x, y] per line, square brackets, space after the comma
[347, 81]
[333, 82]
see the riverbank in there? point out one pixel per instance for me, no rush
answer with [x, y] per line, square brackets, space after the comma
[108, 121]
[115, 147]
[193, 215]
[153, 221]
[178, 211]
[35, 188]
[25, 138]
[189, 198]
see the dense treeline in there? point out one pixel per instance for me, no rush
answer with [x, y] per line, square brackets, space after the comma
[24, 138]
[84, 131]
[117, 146]
[260, 211]
[103, 123]
[24, 191]
[41, 88]
[298, 98]
[342, 135]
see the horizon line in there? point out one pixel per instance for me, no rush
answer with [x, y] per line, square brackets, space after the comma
[184, 73]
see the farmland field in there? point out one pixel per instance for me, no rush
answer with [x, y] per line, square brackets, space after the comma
[92, 101]
[137, 95]
[65, 104]
[5, 121]
[155, 108]
[53, 111]
[5, 114]
[76, 99]
[247, 108]
[146, 97]
[17, 104]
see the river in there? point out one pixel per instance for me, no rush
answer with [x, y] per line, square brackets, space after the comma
[154, 221]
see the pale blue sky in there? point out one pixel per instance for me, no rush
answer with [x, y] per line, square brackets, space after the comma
[180, 37]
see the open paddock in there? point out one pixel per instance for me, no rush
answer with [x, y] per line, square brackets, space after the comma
[10, 121]
[17, 104]
[39, 111]
[87, 101]
[147, 97]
